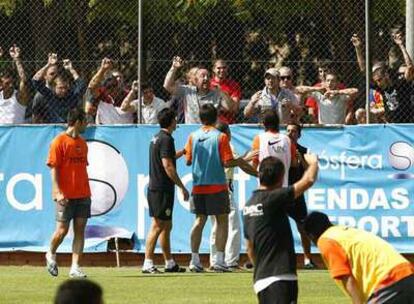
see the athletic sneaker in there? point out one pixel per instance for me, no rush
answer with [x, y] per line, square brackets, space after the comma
[77, 273]
[52, 266]
[220, 268]
[309, 265]
[175, 268]
[151, 270]
[196, 267]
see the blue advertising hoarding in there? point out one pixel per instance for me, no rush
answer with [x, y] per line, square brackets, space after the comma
[366, 180]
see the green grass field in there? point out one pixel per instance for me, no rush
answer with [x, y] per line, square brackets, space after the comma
[127, 285]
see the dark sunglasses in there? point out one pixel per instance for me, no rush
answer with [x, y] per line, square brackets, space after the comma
[286, 77]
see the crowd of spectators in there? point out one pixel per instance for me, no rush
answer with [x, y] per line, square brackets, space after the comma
[107, 99]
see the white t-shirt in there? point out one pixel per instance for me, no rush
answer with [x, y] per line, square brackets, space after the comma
[150, 111]
[270, 101]
[11, 111]
[108, 114]
[277, 145]
[193, 101]
[331, 110]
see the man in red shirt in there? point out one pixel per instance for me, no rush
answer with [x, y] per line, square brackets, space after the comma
[226, 85]
[67, 160]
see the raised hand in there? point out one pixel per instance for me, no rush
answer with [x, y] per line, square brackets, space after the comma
[398, 38]
[256, 97]
[134, 86]
[177, 62]
[356, 41]
[52, 59]
[14, 52]
[106, 64]
[67, 64]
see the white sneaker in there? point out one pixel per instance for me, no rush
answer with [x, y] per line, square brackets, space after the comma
[195, 267]
[220, 268]
[77, 273]
[51, 266]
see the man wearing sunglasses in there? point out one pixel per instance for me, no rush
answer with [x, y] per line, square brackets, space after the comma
[274, 97]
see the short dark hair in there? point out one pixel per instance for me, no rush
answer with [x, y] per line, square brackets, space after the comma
[76, 114]
[271, 171]
[208, 114]
[222, 127]
[62, 77]
[294, 123]
[79, 292]
[316, 223]
[270, 119]
[146, 86]
[165, 117]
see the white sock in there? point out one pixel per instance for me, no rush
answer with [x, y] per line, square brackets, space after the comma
[195, 258]
[148, 264]
[306, 261]
[51, 256]
[74, 266]
[220, 257]
[169, 263]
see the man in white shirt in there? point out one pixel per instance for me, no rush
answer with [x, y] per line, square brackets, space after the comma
[273, 96]
[334, 105]
[13, 102]
[150, 105]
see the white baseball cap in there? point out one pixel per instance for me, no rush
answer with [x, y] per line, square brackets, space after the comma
[272, 71]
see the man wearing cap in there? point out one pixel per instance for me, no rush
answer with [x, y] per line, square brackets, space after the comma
[273, 97]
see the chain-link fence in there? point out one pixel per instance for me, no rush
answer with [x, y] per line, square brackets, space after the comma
[251, 36]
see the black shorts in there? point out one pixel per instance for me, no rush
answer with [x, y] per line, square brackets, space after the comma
[160, 203]
[211, 204]
[401, 292]
[279, 292]
[298, 211]
[75, 208]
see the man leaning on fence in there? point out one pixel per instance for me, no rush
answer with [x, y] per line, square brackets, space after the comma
[106, 91]
[196, 96]
[13, 102]
[151, 105]
[273, 97]
[56, 102]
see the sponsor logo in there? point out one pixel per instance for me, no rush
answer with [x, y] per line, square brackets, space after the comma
[344, 162]
[401, 158]
[253, 210]
[270, 143]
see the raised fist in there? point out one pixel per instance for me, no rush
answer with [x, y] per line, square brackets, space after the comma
[14, 52]
[177, 62]
[52, 58]
[67, 64]
[398, 38]
[356, 41]
[106, 64]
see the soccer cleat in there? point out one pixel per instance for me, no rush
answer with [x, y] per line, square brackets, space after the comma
[77, 273]
[175, 268]
[220, 268]
[51, 266]
[309, 265]
[196, 268]
[151, 270]
[248, 265]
